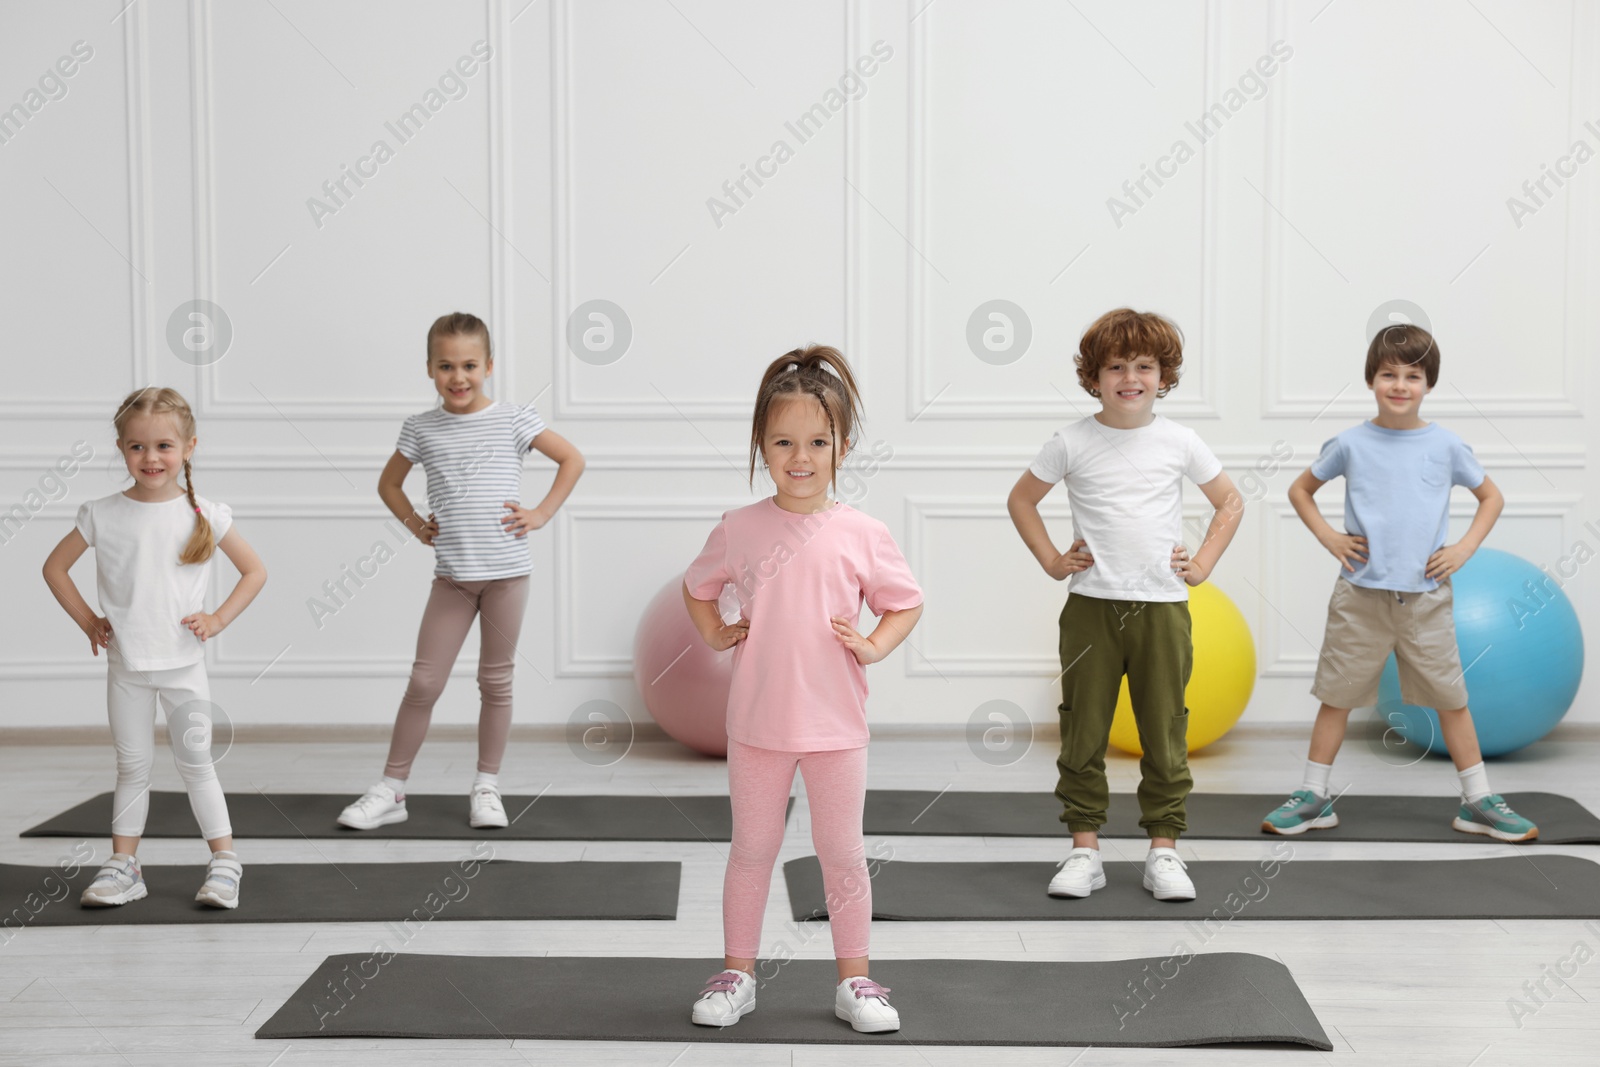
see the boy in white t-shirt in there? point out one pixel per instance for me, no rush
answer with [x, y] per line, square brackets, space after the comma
[1128, 605]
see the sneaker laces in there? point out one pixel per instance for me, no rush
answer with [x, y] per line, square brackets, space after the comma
[116, 871]
[1166, 864]
[866, 987]
[1078, 861]
[372, 799]
[1294, 800]
[1498, 803]
[725, 982]
[488, 796]
[222, 873]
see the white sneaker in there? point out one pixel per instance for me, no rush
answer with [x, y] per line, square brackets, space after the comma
[487, 811]
[1081, 874]
[1163, 875]
[221, 887]
[377, 807]
[727, 998]
[119, 882]
[864, 1004]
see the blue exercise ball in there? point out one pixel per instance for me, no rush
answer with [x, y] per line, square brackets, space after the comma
[1522, 649]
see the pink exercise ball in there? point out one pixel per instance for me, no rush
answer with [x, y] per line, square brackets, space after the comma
[683, 682]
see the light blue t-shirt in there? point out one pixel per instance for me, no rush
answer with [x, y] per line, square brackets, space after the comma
[1397, 495]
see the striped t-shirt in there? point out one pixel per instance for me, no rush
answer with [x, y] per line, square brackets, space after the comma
[474, 465]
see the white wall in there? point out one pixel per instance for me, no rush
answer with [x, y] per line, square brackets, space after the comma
[577, 165]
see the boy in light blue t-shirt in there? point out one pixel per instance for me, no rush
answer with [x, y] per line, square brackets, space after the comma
[1394, 592]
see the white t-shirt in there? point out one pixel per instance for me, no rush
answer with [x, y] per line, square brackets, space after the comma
[1126, 492]
[474, 465]
[144, 591]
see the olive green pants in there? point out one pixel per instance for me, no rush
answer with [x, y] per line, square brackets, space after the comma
[1101, 640]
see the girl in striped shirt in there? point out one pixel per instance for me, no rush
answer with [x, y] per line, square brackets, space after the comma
[472, 449]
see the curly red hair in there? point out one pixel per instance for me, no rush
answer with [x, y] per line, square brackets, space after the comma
[1127, 334]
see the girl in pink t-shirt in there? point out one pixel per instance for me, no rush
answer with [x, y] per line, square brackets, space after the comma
[802, 565]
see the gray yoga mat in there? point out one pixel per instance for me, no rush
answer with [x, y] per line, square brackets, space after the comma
[1212, 816]
[1532, 886]
[651, 817]
[403, 895]
[1200, 999]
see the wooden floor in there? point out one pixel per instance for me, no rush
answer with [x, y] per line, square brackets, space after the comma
[1416, 993]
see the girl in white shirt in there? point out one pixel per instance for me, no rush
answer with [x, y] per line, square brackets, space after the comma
[153, 544]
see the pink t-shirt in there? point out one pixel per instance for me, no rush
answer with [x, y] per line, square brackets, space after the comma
[796, 688]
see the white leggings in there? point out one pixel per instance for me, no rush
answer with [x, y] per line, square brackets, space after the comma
[131, 704]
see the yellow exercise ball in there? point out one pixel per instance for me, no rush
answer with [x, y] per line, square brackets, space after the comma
[1223, 677]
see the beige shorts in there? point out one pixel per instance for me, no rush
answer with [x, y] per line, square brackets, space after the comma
[1365, 625]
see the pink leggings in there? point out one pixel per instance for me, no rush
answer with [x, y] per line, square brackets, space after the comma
[452, 605]
[836, 788]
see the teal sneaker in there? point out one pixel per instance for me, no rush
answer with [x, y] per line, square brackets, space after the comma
[1303, 811]
[1491, 815]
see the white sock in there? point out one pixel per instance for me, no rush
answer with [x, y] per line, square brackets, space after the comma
[1474, 782]
[398, 785]
[484, 778]
[1317, 777]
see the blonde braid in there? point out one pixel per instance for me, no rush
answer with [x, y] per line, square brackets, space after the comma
[202, 543]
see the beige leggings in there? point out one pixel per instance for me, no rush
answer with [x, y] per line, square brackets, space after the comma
[452, 605]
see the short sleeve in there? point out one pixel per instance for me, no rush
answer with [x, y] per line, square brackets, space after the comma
[525, 426]
[1203, 463]
[709, 571]
[1331, 462]
[1050, 465]
[221, 519]
[890, 585]
[1464, 466]
[84, 523]
[408, 445]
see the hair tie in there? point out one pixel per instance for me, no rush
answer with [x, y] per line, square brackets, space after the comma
[197, 510]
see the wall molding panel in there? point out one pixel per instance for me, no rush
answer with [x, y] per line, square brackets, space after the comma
[983, 156]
